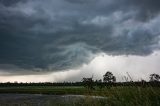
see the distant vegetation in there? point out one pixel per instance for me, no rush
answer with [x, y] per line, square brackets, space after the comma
[129, 93]
[108, 80]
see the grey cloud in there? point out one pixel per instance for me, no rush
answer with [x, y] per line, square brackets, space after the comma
[64, 34]
[10, 2]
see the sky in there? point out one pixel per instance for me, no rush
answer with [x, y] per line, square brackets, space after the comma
[66, 40]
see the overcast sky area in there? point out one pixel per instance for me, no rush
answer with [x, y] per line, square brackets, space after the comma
[66, 40]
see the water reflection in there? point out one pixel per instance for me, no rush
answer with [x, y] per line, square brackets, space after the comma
[50, 100]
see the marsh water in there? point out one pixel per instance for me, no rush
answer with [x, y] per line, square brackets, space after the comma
[50, 100]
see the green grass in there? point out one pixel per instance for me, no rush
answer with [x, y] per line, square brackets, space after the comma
[133, 96]
[116, 96]
[44, 90]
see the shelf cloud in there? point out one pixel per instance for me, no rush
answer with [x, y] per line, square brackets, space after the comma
[54, 35]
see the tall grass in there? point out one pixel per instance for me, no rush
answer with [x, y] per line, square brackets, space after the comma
[120, 96]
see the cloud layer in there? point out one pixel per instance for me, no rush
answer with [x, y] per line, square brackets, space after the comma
[137, 66]
[53, 35]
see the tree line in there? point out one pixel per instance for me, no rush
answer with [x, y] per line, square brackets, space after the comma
[108, 80]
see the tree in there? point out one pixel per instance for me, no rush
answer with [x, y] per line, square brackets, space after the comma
[88, 83]
[99, 84]
[154, 77]
[109, 78]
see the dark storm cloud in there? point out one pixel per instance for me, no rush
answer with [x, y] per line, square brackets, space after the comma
[146, 9]
[10, 2]
[63, 34]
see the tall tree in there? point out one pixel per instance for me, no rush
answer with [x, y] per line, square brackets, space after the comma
[109, 77]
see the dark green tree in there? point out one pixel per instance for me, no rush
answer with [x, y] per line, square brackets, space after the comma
[109, 77]
[99, 84]
[88, 83]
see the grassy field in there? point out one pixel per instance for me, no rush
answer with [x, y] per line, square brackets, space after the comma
[116, 96]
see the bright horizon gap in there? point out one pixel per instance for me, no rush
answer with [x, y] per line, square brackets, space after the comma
[118, 65]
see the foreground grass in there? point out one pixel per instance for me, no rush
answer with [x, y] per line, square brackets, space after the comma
[116, 96]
